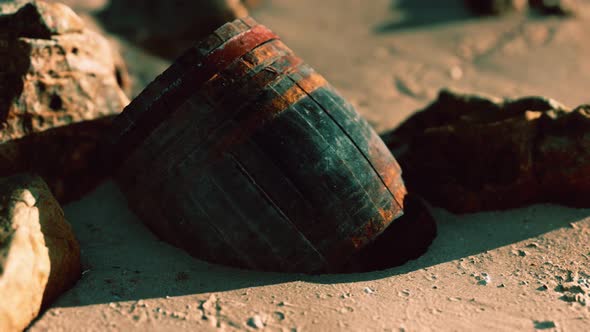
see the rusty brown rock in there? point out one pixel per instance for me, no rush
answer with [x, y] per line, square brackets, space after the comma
[555, 7]
[495, 7]
[498, 7]
[84, 5]
[167, 28]
[55, 73]
[470, 153]
[39, 255]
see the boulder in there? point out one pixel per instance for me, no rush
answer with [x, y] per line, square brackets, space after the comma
[39, 255]
[56, 74]
[469, 153]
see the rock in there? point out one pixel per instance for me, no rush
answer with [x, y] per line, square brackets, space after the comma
[495, 7]
[554, 7]
[69, 159]
[134, 67]
[167, 28]
[39, 255]
[470, 153]
[84, 5]
[57, 73]
[498, 7]
[544, 325]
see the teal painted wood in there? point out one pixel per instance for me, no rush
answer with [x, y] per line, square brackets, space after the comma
[262, 165]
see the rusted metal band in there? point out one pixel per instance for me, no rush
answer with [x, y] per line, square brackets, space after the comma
[284, 99]
[386, 169]
[244, 101]
[235, 48]
[172, 97]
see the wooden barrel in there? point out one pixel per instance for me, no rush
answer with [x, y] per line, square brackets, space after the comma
[242, 154]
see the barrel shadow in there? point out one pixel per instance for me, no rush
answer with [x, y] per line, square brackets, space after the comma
[122, 260]
[424, 13]
[461, 236]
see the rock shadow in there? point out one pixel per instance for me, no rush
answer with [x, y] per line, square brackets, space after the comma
[164, 28]
[424, 13]
[66, 157]
[461, 236]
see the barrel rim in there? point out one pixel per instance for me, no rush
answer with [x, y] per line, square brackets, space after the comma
[138, 119]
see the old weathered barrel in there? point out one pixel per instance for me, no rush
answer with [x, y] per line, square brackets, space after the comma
[242, 154]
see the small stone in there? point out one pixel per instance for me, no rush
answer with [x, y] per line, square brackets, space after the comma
[369, 290]
[483, 279]
[495, 7]
[39, 255]
[555, 7]
[522, 253]
[456, 73]
[256, 322]
[572, 287]
[544, 325]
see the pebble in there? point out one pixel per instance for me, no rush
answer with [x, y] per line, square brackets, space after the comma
[544, 325]
[456, 73]
[256, 322]
[483, 279]
[369, 290]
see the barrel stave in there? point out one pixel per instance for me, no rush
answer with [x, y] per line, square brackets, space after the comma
[254, 159]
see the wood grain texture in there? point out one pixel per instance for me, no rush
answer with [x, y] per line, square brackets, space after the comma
[257, 162]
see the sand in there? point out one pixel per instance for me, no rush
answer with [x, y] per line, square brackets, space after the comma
[496, 270]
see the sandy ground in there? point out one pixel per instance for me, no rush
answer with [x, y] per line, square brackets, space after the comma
[496, 270]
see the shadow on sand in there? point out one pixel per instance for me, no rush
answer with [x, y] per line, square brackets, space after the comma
[422, 13]
[123, 261]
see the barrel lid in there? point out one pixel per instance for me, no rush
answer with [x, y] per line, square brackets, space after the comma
[163, 96]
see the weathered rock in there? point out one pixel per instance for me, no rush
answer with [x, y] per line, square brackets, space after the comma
[495, 7]
[135, 68]
[55, 73]
[39, 255]
[470, 153]
[498, 7]
[554, 7]
[84, 5]
[167, 28]
[67, 157]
